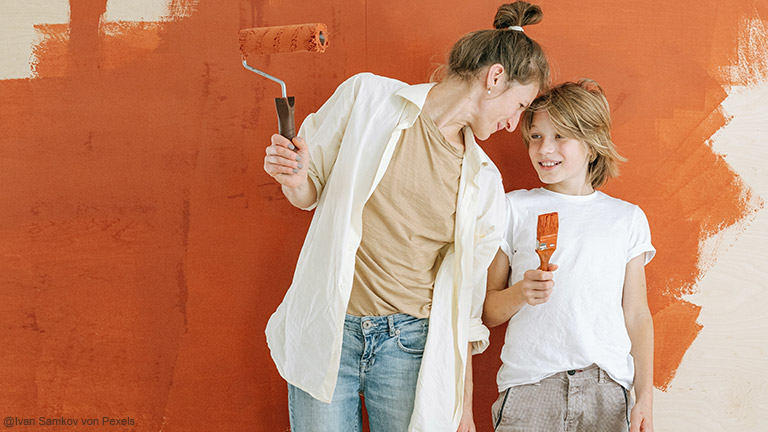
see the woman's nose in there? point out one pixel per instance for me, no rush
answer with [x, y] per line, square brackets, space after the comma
[512, 123]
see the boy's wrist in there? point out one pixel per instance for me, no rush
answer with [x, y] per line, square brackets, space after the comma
[518, 298]
[644, 397]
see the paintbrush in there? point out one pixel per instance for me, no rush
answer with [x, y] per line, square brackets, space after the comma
[546, 238]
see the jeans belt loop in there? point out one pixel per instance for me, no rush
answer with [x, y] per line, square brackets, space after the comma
[600, 375]
[391, 325]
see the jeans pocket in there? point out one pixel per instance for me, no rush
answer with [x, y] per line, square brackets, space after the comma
[412, 337]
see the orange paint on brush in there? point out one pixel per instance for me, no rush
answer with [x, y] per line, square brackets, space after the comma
[546, 238]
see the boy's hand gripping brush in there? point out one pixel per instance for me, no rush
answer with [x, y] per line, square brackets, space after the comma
[273, 40]
[546, 238]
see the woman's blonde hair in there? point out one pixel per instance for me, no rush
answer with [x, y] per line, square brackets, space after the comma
[523, 59]
[580, 111]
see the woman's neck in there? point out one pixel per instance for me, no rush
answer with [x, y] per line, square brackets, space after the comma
[450, 105]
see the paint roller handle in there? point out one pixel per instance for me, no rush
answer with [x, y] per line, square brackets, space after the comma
[285, 119]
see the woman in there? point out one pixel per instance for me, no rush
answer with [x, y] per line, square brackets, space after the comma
[387, 296]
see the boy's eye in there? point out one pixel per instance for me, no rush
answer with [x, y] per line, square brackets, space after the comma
[535, 136]
[558, 136]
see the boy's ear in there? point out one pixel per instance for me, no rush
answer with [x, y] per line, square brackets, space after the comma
[591, 153]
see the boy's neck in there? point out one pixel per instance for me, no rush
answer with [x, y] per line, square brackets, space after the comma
[566, 189]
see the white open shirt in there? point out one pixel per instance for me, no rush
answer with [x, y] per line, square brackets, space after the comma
[351, 139]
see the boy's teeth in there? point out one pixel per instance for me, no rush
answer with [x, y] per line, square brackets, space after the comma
[549, 164]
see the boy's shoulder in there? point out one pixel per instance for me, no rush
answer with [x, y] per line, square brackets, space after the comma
[522, 200]
[618, 203]
[522, 194]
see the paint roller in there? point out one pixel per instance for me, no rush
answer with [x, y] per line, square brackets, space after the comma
[282, 39]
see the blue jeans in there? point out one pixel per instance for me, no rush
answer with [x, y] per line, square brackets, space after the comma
[380, 360]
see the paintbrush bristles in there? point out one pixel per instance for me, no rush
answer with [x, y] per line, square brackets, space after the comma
[548, 225]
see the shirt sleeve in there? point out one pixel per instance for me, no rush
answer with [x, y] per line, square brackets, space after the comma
[489, 234]
[506, 240]
[640, 237]
[323, 131]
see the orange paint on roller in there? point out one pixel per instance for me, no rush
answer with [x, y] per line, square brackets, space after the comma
[546, 238]
[282, 39]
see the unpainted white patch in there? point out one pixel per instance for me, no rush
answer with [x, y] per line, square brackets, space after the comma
[17, 32]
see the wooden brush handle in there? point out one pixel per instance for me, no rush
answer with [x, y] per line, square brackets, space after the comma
[544, 256]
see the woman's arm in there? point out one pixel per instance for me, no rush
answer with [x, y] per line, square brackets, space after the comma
[639, 324]
[467, 423]
[285, 165]
[502, 302]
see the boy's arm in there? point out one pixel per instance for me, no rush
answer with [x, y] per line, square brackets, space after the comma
[499, 301]
[502, 302]
[639, 324]
[467, 423]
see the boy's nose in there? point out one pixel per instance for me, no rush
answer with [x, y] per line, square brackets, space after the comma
[547, 146]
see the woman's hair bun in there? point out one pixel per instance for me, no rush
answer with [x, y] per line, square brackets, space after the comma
[519, 13]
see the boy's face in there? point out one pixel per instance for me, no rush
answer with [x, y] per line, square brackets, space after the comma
[560, 162]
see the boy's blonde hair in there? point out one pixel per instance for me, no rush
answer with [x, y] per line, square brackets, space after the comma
[580, 111]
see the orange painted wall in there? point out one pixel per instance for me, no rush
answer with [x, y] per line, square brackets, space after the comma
[143, 248]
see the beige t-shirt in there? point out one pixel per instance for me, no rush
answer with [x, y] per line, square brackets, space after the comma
[407, 224]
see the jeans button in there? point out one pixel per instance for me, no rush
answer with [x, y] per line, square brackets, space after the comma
[571, 372]
[367, 324]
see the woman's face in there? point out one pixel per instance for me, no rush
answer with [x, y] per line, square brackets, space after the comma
[502, 108]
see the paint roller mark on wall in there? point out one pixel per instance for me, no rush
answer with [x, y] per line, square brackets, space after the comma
[126, 32]
[121, 42]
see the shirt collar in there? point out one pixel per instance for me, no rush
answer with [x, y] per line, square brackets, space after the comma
[416, 94]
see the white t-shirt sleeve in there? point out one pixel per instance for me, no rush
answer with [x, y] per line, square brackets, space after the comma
[640, 237]
[506, 241]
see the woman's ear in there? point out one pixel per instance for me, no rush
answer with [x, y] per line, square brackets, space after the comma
[494, 76]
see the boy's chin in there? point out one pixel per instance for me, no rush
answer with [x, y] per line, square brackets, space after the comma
[546, 179]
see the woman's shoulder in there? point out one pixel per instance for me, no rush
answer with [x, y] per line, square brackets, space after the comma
[373, 83]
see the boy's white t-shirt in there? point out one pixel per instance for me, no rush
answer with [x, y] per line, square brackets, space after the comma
[583, 321]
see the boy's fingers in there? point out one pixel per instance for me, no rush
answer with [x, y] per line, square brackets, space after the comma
[541, 275]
